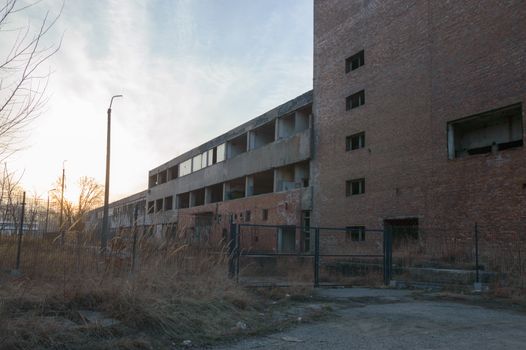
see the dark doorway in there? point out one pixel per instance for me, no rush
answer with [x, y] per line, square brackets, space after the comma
[403, 230]
[287, 239]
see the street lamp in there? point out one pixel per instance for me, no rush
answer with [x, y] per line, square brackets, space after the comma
[61, 222]
[105, 221]
[47, 210]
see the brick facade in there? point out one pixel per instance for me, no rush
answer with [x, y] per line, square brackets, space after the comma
[426, 63]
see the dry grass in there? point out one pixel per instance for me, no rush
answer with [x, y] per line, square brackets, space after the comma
[177, 292]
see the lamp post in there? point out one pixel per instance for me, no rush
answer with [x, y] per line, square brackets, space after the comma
[47, 211]
[61, 222]
[105, 221]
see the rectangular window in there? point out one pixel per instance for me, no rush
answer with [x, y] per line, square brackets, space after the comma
[355, 100]
[355, 141]
[161, 177]
[220, 153]
[196, 163]
[354, 187]
[185, 167]
[210, 157]
[247, 216]
[204, 160]
[151, 207]
[168, 203]
[355, 61]
[159, 205]
[173, 172]
[487, 132]
[152, 181]
[264, 214]
[355, 233]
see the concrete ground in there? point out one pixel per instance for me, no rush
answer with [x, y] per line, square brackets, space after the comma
[394, 319]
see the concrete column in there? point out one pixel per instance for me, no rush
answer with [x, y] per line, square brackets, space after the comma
[276, 129]
[251, 140]
[249, 186]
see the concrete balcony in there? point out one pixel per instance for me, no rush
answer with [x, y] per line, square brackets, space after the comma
[290, 150]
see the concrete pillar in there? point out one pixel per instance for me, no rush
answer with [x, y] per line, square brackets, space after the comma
[249, 186]
[248, 141]
[276, 129]
[251, 140]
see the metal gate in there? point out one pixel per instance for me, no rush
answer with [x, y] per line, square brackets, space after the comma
[285, 255]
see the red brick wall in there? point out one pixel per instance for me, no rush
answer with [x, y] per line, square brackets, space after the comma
[426, 63]
[283, 209]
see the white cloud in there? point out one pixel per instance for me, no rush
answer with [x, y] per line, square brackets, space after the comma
[174, 96]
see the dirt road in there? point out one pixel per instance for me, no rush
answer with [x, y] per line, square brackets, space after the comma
[394, 319]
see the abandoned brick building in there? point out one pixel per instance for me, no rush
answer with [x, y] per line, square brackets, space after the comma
[415, 120]
[418, 113]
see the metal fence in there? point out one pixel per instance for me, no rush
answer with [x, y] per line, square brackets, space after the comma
[320, 256]
[483, 253]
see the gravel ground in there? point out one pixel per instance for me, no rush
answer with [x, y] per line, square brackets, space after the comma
[393, 319]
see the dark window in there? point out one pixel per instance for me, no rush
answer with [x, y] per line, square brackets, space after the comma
[159, 204]
[151, 207]
[264, 214]
[354, 187]
[247, 215]
[355, 233]
[355, 61]
[162, 177]
[152, 181]
[173, 172]
[487, 132]
[355, 141]
[168, 203]
[355, 100]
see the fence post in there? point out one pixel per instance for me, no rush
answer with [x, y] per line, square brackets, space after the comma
[231, 250]
[238, 250]
[388, 256]
[134, 247]
[477, 277]
[20, 232]
[316, 257]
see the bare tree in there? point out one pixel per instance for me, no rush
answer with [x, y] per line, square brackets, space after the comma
[91, 194]
[22, 84]
[10, 196]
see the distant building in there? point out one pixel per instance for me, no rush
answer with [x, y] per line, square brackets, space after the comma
[255, 173]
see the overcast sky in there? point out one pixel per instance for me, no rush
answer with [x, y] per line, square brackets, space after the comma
[189, 70]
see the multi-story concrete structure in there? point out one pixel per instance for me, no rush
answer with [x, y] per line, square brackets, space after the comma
[255, 173]
[419, 113]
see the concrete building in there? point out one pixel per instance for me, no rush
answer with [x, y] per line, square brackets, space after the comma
[255, 173]
[419, 113]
